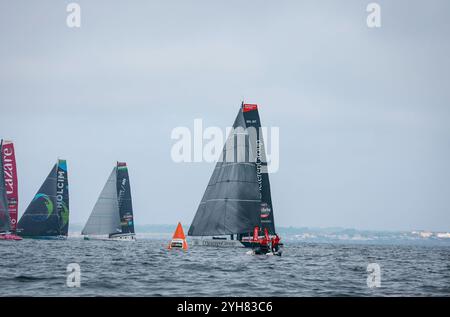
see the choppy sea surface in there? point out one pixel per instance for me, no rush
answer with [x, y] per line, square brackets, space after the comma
[147, 268]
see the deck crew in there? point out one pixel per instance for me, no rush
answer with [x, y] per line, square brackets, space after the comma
[275, 243]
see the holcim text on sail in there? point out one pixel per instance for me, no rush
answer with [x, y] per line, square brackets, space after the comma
[60, 189]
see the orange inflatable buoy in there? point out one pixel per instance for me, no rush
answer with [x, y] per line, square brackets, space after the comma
[178, 239]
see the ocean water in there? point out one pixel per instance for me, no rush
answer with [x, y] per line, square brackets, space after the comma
[147, 268]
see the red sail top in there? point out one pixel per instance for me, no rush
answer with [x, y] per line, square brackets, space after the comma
[249, 107]
[10, 172]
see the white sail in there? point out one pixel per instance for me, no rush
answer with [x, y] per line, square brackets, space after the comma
[105, 218]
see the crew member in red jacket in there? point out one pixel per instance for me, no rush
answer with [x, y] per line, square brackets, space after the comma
[275, 243]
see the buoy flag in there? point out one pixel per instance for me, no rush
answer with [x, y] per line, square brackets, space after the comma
[178, 239]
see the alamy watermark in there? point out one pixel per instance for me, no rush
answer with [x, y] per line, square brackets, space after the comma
[374, 18]
[242, 145]
[73, 19]
[374, 275]
[74, 275]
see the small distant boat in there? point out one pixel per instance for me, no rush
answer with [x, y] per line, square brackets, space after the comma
[112, 216]
[6, 226]
[47, 216]
[237, 199]
[178, 239]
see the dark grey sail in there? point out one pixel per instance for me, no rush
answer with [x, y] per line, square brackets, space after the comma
[251, 117]
[43, 217]
[237, 193]
[124, 199]
[4, 210]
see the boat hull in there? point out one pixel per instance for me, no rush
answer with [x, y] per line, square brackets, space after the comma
[118, 237]
[10, 237]
[252, 244]
[45, 237]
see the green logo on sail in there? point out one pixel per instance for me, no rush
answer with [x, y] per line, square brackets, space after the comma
[48, 205]
[64, 214]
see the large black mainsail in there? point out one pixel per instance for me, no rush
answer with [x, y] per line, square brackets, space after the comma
[47, 215]
[124, 199]
[112, 214]
[4, 210]
[237, 198]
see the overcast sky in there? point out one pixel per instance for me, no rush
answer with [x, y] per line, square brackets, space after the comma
[364, 114]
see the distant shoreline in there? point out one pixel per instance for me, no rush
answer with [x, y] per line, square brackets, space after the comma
[315, 235]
